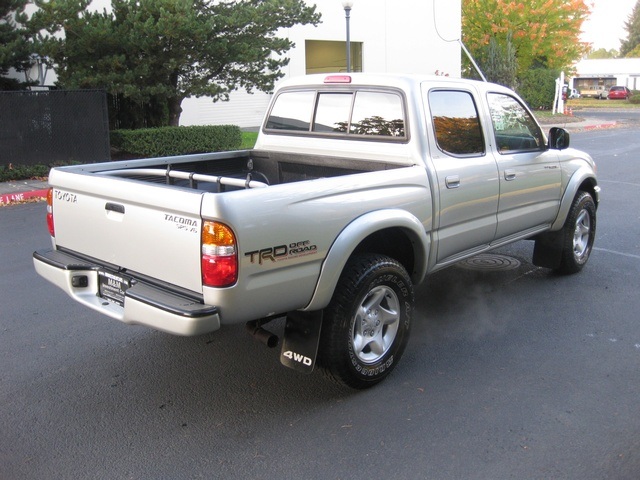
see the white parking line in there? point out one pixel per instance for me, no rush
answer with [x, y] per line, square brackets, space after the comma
[606, 250]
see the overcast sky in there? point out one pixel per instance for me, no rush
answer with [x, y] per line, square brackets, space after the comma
[605, 27]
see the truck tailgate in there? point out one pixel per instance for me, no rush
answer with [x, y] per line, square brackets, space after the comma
[149, 229]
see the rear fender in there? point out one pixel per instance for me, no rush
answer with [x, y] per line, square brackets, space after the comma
[354, 234]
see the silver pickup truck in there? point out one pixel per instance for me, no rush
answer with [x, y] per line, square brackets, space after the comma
[358, 187]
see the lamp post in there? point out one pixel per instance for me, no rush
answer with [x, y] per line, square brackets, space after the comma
[347, 4]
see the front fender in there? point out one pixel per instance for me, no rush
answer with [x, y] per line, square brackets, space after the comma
[354, 234]
[580, 176]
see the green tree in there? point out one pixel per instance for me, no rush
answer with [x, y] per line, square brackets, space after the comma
[501, 64]
[603, 53]
[162, 51]
[14, 43]
[635, 53]
[628, 47]
[543, 32]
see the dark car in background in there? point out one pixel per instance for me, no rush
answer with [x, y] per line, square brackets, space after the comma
[619, 92]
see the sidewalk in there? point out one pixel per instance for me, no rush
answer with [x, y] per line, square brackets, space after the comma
[575, 124]
[18, 191]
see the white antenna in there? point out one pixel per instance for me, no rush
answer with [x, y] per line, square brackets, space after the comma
[459, 40]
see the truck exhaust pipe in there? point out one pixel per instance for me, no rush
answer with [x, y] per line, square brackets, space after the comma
[263, 336]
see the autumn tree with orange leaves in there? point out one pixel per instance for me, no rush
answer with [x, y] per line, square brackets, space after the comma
[543, 33]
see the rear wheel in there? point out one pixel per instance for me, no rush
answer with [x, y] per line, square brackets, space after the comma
[578, 234]
[366, 325]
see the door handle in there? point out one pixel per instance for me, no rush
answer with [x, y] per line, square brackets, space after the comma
[114, 207]
[452, 181]
[509, 175]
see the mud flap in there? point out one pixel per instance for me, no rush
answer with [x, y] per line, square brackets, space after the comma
[547, 251]
[301, 339]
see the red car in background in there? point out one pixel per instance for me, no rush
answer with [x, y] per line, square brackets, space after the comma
[619, 92]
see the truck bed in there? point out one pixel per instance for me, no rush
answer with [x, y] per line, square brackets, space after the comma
[220, 172]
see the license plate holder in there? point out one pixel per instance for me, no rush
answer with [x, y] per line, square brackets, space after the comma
[113, 286]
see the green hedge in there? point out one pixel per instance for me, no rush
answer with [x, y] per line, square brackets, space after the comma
[635, 97]
[538, 87]
[21, 172]
[167, 141]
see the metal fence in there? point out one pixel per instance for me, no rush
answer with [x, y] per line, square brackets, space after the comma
[53, 127]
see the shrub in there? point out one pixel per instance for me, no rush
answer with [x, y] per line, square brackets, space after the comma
[635, 97]
[538, 88]
[21, 172]
[167, 141]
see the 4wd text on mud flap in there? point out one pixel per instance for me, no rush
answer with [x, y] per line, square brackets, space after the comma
[297, 357]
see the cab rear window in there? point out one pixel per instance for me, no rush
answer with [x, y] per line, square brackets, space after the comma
[292, 111]
[365, 114]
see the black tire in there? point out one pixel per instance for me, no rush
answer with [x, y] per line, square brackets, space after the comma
[578, 234]
[366, 326]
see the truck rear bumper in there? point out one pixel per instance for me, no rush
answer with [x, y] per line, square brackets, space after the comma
[141, 303]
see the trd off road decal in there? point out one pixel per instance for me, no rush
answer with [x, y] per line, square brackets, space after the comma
[282, 252]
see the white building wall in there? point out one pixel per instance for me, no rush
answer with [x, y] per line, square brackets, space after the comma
[626, 71]
[408, 36]
[242, 109]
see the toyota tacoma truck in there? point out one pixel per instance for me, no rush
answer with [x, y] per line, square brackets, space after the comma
[358, 186]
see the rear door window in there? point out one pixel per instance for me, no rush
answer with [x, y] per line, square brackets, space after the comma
[456, 123]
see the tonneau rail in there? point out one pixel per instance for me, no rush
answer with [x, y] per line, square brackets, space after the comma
[191, 176]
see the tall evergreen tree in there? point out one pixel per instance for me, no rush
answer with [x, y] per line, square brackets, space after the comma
[628, 47]
[166, 50]
[501, 65]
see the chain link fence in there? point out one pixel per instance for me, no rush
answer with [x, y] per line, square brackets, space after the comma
[53, 127]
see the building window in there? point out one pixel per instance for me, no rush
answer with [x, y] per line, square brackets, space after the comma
[327, 56]
[588, 83]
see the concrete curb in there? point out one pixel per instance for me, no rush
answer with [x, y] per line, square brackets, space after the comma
[601, 126]
[7, 198]
[23, 190]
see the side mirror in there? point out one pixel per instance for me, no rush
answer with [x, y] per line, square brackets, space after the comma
[558, 138]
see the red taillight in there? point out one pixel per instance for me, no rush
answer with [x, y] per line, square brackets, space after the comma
[52, 230]
[219, 255]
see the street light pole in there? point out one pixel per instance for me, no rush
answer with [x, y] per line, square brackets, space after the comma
[347, 4]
